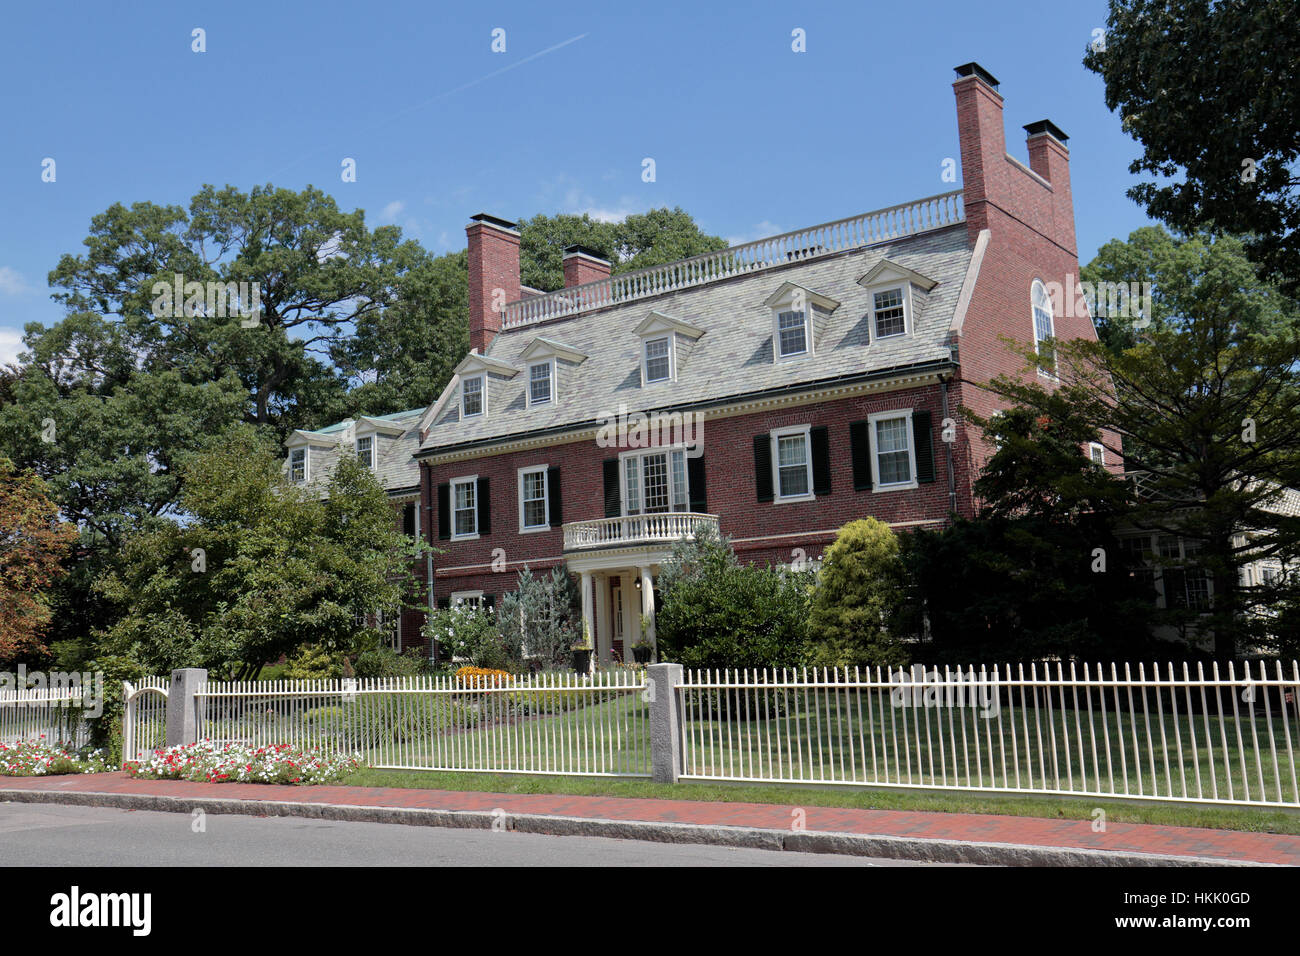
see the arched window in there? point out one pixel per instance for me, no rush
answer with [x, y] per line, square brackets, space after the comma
[1044, 328]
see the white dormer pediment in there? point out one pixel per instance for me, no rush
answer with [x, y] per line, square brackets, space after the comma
[657, 323]
[544, 348]
[887, 272]
[381, 426]
[299, 438]
[788, 292]
[474, 364]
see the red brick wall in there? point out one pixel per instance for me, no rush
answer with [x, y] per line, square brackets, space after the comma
[493, 265]
[580, 269]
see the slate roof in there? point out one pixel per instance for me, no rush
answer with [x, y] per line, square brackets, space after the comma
[733, 357]
[395, 467]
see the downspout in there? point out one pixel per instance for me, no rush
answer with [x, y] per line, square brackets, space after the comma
[952, 479]
[428, 562]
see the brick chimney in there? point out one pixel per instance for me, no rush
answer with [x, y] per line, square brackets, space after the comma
[983, 142]
[583, 264]
[493, 275]
[1049, 157]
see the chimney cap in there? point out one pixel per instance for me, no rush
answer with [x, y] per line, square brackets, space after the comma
[580, 250]
[495, 221]
[1046, 126]
[974, 69]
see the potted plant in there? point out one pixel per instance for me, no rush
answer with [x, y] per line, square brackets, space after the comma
[581, 657]
[641, 651]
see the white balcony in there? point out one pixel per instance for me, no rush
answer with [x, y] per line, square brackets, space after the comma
[662, 528]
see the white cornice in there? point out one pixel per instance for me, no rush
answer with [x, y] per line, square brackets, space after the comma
[657, 321]
[787, 290]
[542, 347]
[887, 271]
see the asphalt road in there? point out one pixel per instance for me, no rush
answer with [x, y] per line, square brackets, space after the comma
[53, 835]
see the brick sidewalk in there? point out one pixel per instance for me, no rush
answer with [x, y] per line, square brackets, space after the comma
[1025, 831]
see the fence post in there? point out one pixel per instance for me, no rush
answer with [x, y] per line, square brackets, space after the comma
[183, 706]
[665, 722]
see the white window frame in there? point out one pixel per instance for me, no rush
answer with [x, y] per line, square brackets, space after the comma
[905, 291]
[637, 455]
[546, 498]
[670, 338]
[1101, 453]
[482, 380]
[306, 465]
[775, 435]
[906, 415]
[370, 457]
[528, 385]
[473, 598]
[471, 480]
[1034, 289]
[788, 306]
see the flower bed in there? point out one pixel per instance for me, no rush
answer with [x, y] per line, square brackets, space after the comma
[208, 762]
[36, 758]
[482, 677]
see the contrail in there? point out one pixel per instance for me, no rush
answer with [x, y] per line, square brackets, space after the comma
[442, 96]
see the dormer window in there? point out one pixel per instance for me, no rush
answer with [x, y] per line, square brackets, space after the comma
[658, 366]
[298, 466]
[541, 383]
[792, 333]
[366, 451]
[890, 311]
[798, 315]
[472, 396]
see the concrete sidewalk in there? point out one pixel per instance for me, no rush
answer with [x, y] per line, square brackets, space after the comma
[937, 837]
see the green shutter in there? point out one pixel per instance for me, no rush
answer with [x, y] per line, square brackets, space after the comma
[860, 453]
[613, 496]
[695, 478]
[923, 439]
[484, 507]
[554, 499]
[444, 511]
[819, 439]
[763, 467]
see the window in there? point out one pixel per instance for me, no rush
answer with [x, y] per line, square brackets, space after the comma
[1044, 329]
[366, 451]
[1137, 550]
[465, 508]
[298, 465]
[1097, 453]
[793, 464]
[655, 482]
[467, 598]
[658, 360]
[533, 512]
[792, 333]
[891, 316]
[893, 460]
[471, 396]
[540, 383]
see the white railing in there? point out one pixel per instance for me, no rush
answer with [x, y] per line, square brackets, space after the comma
[545, 724]
[1163, 734]
[144, 717]
[56, 714]
[667, 527]
[883, 225]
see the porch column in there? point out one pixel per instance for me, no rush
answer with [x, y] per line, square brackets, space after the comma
[604, 628]
[648, 604]
[588, 624]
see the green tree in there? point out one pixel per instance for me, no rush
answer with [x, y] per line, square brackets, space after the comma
[1205, 87]
[261, 569]
[857, 599]
[1205, 407]
[541, 617]
[719, 613]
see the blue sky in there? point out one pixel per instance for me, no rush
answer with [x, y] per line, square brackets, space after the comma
[748, 136]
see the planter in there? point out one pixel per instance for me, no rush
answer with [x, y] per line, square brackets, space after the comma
[582, 660]
[642, 654]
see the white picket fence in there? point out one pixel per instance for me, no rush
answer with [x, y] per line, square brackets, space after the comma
[547, 724]
[53, 713]
[1162, 734]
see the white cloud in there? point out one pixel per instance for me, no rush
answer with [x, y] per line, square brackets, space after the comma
[761, 230]
[11, 343]
[578, 202]
[12, 282]
[392, 210]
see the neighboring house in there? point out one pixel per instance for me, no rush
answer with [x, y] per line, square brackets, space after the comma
[806, 380]
[386, 443]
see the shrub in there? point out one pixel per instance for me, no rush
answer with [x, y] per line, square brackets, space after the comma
[720, 613]
[541, 619]
[481, 677]
[383, 661]
[313, 662]
[857, 599]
